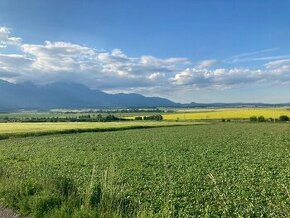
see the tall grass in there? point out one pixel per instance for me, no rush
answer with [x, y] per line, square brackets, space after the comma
[59, 197]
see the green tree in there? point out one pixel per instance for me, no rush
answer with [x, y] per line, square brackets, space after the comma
[284, 118]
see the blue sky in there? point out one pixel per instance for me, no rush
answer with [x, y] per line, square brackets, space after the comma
[185, 50]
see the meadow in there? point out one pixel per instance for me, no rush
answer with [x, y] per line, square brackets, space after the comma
[214, 170]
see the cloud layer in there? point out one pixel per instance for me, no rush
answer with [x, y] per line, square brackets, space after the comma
[115, 71]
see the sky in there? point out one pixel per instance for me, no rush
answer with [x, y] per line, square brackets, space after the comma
[184, 50]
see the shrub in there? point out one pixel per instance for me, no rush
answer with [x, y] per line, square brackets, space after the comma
[253, 119]
[138, 118]
[261, 119]
[157, 117]
[284, 118]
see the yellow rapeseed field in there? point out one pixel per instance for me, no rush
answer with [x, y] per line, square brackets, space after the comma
[6, 128]
[243, 113]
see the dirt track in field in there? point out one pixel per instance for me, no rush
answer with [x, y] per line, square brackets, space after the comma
[7, 213]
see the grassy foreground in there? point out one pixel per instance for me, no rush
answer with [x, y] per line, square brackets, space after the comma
[220, 170]
[8, 130]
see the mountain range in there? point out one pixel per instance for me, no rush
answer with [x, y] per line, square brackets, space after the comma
[28, 96]
[69, 96]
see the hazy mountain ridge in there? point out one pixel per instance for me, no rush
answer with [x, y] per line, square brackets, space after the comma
[76, 96]
[69, 95]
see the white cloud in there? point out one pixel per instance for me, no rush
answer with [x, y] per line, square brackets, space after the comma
[207, 63]
[114, 70]
[225, 78]
[59, 56]
[15, 63]
[6, 39]
[279, 63]
[156, 76]
[118, 64]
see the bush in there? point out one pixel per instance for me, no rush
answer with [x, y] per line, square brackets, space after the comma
[138, 118]
[261, 119]
[284, 118]
[154, 117]
[253, 119]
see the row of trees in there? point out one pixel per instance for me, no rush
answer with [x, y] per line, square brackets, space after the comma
[157, 117]
[282, 118]
[82, 118]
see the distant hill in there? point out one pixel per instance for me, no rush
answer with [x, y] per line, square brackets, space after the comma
[70, 95]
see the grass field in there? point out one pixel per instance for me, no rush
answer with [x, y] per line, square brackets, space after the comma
[27, 129]
[236, 113]
[215, 170]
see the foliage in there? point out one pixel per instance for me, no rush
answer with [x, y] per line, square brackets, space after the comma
[284, 118]
[261, 119]
[156, 117]
[138, 118]
[81, 118]
[253, 119]
[218, 170]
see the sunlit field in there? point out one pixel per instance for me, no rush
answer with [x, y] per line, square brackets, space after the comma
[215, 170]
[15, 129]
[239, 113]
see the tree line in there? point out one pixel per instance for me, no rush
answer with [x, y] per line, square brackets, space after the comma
[156, 117]
[282, 118]
[82, 118]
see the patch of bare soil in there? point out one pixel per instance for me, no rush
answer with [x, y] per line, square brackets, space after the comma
[8, 213]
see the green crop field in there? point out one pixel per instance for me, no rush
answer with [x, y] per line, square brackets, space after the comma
[214, 170]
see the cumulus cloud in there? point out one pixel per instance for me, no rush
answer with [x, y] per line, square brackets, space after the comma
[226, 78]
[6, 39]
[59, 56]
[53, 61]
[114, 70]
